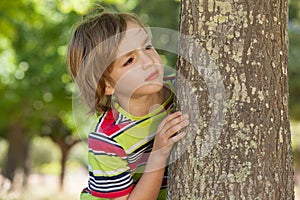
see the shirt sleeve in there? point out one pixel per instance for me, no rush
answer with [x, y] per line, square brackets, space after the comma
[109, 172]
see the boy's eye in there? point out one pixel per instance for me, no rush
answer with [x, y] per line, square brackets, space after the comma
[128, 62]
[150, 46]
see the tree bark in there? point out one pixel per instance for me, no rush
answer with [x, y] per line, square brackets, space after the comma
[235, 64]
[64, 149]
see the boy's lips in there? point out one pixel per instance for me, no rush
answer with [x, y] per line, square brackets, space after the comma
[153, 76]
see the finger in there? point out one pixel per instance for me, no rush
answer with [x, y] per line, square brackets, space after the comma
[175, 125]
[173, 120]
[174, 129]
[173, 116]
[177, 137]
[167, 120]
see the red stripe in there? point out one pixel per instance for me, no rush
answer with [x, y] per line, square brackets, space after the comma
[113, 194]
[143, 159]
[99, 145]
[108, 126]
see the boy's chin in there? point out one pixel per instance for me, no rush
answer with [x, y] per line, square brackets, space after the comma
[149, 88]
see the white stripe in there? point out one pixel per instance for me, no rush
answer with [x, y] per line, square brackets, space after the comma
[137, 155]
[122, 119]
[105, 173]
[140, 143]
[112, 185]
[113, 180]
[122, 129]
[101, 152]
[95, 135]
[112, 188]
[100, 122]
[139, 165]
[118, 118]
[105, 153]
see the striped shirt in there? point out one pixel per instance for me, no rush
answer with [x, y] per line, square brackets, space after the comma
[119, 148]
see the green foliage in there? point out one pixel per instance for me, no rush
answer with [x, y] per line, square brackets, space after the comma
[294, 10]
[294, 58]
[79, 154]
[3, 150]
[294, 74]
[43, 151]
[34, 81]
[35, 84]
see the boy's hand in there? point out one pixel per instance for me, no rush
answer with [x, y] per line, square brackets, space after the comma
[166, 133]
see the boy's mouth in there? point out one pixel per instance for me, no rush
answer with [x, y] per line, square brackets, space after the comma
[153, 76]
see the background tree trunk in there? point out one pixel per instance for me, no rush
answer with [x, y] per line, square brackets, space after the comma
[61, 135]
[65, 148]
[241, 142]
[17, 154]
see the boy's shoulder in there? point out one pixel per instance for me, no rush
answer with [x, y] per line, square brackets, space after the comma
[169, 78]
[112, 122]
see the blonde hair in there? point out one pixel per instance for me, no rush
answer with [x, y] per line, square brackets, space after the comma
[92, 51]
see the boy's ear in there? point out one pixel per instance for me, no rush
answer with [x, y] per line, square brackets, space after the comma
[109, 90]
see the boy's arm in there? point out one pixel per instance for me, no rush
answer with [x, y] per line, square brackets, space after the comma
[148, 186]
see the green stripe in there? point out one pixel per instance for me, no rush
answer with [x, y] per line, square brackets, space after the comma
[107, 163]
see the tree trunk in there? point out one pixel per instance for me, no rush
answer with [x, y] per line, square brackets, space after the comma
[232, 78]
[17, 154]
[63, 162]
[65, 148]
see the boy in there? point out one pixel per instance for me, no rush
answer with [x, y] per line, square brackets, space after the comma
[120, 76]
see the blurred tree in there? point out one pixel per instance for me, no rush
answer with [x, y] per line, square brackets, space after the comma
[34, 83]
[62, 135]
[240, 141]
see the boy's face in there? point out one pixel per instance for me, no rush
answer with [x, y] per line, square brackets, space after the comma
[138, 69]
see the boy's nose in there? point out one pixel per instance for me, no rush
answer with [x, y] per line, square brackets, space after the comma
[147, 60]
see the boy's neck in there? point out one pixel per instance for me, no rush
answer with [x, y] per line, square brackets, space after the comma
[143, 105]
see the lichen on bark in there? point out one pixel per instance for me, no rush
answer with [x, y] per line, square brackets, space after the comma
[250, 156]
